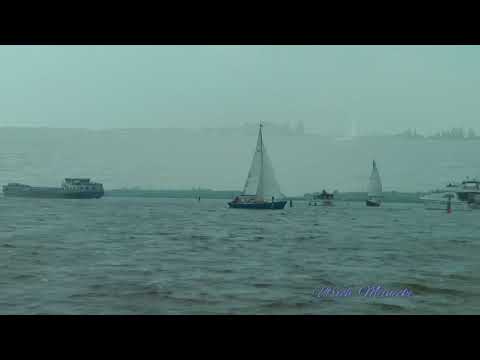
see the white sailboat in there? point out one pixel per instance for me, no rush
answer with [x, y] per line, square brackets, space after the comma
[261, 190]
[374, 196]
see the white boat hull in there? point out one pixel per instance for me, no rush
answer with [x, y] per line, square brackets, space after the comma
[443, 205]
[464, 196]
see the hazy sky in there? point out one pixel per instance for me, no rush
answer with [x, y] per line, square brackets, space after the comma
[383, 88]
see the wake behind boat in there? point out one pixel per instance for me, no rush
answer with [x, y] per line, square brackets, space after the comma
[261, 190]
[374, 197]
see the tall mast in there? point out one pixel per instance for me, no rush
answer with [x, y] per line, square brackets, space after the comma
[260, 183]
[261, 139]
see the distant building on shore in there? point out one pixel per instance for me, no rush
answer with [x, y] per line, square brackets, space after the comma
[251, 128]
[300, 128]
[275, 129]
[453, 134]
[411, 134]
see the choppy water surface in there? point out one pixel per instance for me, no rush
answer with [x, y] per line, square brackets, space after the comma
[166, 256]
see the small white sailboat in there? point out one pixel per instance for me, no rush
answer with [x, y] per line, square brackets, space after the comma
[374, 196]
[261, 190]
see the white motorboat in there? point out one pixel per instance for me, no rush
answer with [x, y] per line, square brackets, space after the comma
[439, 199]
[463, 196]
[324, 198]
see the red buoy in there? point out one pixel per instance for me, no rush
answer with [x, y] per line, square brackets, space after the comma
[449, 206]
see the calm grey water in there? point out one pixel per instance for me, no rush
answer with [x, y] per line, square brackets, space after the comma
[166, 256]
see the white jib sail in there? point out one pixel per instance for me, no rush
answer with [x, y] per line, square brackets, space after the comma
[375, 184]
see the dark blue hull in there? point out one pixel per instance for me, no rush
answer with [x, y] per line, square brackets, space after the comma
[53, 193]
[278, 205]
[372, 203]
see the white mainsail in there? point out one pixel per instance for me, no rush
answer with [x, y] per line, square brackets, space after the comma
[261, 181]
[253, 178]
[375, 184]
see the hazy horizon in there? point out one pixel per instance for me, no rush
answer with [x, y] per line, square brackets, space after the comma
[239, 127]
[185, 160]
[383, 89]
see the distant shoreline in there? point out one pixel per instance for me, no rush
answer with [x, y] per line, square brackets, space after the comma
[401, 197]
[239, 131]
